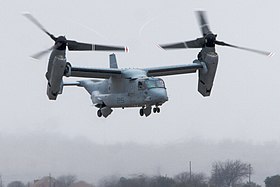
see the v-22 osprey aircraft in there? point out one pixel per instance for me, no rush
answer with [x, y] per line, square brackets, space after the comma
[121, 88]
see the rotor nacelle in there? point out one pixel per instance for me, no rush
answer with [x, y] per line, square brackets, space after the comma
[208, 58]
[55, 82]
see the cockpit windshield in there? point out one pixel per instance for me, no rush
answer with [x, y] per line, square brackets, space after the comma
[154, 83]
[160, 83]
[150, 83]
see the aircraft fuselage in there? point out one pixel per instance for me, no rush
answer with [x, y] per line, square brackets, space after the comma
[122, 92]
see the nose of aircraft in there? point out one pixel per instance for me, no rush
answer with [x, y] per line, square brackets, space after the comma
[158, 95]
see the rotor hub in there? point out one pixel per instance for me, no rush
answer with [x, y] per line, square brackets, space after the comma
[61, 43]
[210, 40]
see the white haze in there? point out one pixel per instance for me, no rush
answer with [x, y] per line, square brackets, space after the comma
[32, 156]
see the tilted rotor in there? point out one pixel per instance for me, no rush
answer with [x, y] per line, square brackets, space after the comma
[208, 39]
[61, 42]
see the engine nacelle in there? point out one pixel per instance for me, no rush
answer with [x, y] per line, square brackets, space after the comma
[55, 83]
[207, 74]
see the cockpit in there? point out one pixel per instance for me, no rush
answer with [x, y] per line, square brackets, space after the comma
[150, 83]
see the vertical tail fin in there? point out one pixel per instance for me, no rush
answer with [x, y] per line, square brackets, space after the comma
[113, 61]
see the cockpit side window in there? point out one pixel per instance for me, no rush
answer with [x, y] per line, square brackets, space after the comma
[141, 85]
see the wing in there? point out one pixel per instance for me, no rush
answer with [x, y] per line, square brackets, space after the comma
[103, 73]
[173, 70]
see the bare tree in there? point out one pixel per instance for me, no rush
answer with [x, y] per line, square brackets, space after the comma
[251, 184]
[272, 181]
[195, 179]
[109, 181]
[16, 184]
[229, 173]
[161, 181]
[1, 182]
[66, 180]
[139, 181]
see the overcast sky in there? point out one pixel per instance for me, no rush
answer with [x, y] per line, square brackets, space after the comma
[244, 102]
[244, 105]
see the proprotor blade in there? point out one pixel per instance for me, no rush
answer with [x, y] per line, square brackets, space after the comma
[266, 53]
[38, 24]
[198, 43]
[40, 54]
[78, 46]
[72, 45]
[204, 26]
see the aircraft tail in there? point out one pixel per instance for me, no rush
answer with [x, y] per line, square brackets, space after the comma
[89, 85]
[113, 61]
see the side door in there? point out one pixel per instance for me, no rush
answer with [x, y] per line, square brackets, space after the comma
[132, 87]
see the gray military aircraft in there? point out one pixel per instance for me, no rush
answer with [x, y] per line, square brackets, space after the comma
[121, 88]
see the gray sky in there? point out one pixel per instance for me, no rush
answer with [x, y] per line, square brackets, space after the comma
[244, 102]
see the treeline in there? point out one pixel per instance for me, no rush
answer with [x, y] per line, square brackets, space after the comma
[186, 179]
[180, 180]
[163, 181]
[230, 173]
